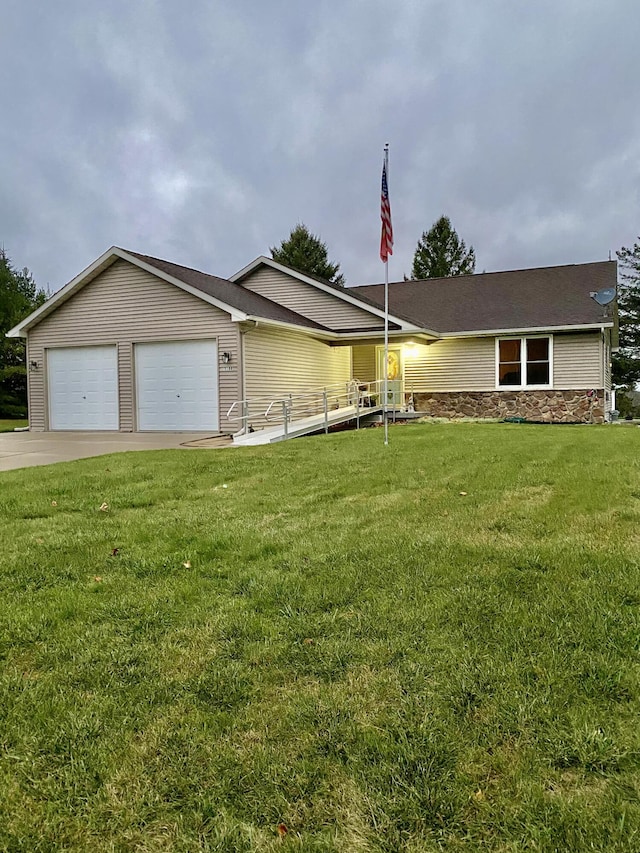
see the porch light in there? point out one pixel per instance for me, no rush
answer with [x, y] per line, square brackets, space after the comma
[225, 358]
[410, 351]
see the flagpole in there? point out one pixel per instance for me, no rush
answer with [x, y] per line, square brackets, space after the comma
[386, 324]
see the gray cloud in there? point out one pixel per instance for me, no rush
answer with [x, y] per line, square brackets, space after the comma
[203, 133]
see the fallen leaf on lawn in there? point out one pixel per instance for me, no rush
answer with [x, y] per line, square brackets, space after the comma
[98, 579]
[104, 507]
[40, 541]
[187, 564]
[308, 641]
[115, 552]
[224, 486]
[463, 494]
[479, 795]
[282, 830]
[54, 503]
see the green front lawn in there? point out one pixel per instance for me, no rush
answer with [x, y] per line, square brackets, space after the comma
[326, 645]
[9, 424]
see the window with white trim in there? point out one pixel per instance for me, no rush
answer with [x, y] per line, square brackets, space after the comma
[524, 362]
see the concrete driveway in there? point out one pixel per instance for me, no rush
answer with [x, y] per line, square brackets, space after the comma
[24, 449]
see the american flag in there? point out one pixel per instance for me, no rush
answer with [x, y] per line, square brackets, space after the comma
[386, 237]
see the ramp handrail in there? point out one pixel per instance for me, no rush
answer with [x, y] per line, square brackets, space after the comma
[291, 407]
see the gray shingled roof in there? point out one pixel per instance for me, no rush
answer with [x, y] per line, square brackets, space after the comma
[517, 299]
[231, 294]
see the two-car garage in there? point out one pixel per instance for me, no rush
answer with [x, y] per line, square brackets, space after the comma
[175, 386]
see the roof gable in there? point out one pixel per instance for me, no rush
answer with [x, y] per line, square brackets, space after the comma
[245, 304]
[236, 301]
[361, 306]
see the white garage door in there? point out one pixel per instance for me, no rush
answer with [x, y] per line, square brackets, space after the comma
[83, 387]
[177, 385]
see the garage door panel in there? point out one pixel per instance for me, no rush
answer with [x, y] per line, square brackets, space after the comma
[83, 388]
[177, 385]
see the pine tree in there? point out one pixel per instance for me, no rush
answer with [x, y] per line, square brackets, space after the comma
[441, 252]
[18, 297]
[305, 252]
[626, 362]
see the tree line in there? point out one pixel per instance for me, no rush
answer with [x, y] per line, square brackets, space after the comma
[19, 295]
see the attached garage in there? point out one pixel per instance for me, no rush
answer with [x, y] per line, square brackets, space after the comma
[177, 385]
[83, 388]
[123, 348]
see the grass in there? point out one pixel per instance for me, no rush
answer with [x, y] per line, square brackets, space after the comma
[9, 424]
[326, 645]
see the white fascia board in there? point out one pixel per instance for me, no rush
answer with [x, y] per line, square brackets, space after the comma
[236, 315]
[98, 265]
[416, 332]
[323, 334]
[104, 261]
[538, 330]
[342, 294]
[329, 335]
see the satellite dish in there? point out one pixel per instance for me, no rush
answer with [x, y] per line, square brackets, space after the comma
[604, 297]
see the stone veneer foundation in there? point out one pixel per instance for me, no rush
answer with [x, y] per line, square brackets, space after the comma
[561, 407]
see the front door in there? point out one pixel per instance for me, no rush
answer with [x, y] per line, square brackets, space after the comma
[395, 380]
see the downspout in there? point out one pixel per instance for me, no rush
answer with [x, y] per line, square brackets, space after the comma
[244, 327]
[604, 374]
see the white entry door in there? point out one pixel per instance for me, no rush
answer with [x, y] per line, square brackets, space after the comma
[83, 387]
[177, 386]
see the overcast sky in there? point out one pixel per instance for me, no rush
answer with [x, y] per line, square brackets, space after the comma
[203, 131]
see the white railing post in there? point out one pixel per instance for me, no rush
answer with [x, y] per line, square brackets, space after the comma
[326, 412]
[285, 417]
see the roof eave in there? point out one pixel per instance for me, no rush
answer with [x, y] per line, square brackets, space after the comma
[478, 333]
[324, 334]
[99, 265]
[235, 313]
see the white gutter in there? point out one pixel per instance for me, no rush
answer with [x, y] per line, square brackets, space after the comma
[525, 330]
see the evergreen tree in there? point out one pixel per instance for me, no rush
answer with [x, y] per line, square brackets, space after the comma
[18, 297]
[626, 362]
[441, 252]
[305, 252]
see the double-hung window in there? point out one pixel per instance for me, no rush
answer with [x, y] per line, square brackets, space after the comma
[524, 362]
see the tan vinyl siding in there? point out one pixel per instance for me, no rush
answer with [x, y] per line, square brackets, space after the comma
[468, 364]
[279, 362]
[123, 305]
[364, 363]
[311, 302]
[460, 364]
[577, 361]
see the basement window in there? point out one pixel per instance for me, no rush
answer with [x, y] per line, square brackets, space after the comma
[524, 362]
